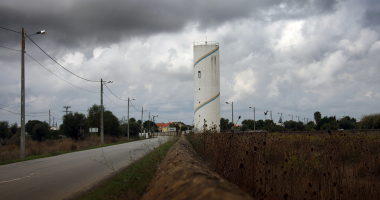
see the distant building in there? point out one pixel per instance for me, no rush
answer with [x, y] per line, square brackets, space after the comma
[206, 86]
[163, 127]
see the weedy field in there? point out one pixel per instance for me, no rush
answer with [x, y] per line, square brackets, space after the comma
[340, 165]
[11, 151]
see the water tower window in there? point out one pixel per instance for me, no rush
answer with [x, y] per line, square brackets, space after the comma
[199, 74]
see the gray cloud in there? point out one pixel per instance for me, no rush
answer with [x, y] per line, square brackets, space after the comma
[293, 57]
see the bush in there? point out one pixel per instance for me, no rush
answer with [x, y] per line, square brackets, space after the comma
[371, 121]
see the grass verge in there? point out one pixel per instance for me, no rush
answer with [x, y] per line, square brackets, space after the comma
[61, 152]
[133, 181]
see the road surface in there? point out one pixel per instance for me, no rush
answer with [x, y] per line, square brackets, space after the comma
[63, 176]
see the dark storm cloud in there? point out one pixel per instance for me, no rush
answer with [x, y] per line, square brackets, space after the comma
[79, 23]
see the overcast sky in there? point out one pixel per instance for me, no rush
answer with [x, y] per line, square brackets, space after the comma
[291, 57]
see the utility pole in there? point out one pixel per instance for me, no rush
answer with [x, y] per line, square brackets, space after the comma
[101, 112]
[142, 111]
[270, 115]
[254, 118]
[22, 136]
[128, 118]
[233, 114]
[53, 121]
[149, 123]
[67, 107]
[49, 117]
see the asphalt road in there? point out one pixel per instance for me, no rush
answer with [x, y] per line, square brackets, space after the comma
[61, 177]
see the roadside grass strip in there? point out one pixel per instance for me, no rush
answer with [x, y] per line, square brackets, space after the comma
[133, 181]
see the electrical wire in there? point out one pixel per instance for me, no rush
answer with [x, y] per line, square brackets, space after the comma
[10, 48]
[58, 63]
[58, 76]
[25, 114]
[114, 94]
[10, 30]
[114, 102]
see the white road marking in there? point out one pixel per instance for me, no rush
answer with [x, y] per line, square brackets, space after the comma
[16, 179]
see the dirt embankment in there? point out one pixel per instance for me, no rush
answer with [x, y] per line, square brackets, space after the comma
[184, 175]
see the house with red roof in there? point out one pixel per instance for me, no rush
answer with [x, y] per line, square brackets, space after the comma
[163, 127]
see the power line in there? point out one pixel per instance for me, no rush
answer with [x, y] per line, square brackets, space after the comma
[25, 114]
[10, 48]
[58, 76]
[114, 102]
[58, 63]
[10, 30]
[114, 94]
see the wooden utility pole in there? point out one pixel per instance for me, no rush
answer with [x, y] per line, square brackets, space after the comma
[101, 112]
[22, 136]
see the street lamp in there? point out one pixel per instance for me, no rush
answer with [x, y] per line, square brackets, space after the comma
[292, 116]
[281, 117]
[102, 110]
[154, 123]
[254, 118]
[142, 113]
[128, 114]
[232, 112]
[22, 136]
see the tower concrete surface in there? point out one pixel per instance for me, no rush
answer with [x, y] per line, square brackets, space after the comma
[206, 86]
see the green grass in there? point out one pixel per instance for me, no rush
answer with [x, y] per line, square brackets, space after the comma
[133, 181]
[61, 152]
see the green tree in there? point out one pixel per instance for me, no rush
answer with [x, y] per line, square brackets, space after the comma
[40, 131]
[330, 121]
[260, 124]
[93, 116]
[311, 125]
[243, 128]
[4, 130]
[371, 121]
[132, 119]
[294, 126]
[225, 124]
[150, 124]
[317, 116]
[249, 123]
[347, 123]
[111, 124]
[30, 125]
[13, 129]
[72, 123]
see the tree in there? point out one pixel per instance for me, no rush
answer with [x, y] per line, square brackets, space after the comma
[72, 123]
[150, 124]
[294, 126]
[317, 116]
[93, 116]
[260, 124]
[371, 121]
[4, 131]
[40, 131]
[310, 125]
[250, 124]
[243, 128]
[225, 125]
[111, 124]
[30, 125]
[13, 129]
[132, 119]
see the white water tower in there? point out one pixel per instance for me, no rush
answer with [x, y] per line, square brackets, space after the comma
[206, 85]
